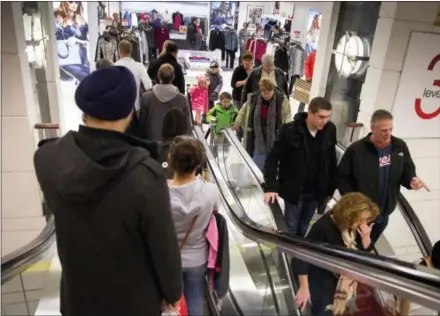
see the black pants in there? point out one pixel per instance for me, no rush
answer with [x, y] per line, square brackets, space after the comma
[152, 54]
[292, 82]
[230, 58]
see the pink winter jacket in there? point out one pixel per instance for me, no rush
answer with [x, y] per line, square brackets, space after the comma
[199, 98]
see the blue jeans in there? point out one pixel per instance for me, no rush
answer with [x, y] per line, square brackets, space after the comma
[194, 289]
[298, 216]
[259, 159]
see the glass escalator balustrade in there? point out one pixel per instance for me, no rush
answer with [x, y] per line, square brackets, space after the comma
[247, 188]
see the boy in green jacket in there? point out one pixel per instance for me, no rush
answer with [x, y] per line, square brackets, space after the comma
[224, 112]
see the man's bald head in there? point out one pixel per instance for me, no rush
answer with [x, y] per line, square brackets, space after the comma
[166, 74]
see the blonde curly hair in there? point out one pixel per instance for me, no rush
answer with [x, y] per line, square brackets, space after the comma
[349, 208]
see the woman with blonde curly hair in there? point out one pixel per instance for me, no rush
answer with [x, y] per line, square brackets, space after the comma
[347, 225]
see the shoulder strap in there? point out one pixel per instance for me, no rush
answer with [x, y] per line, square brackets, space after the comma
[188, 232]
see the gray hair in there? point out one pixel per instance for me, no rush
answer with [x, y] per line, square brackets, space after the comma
[267, 58]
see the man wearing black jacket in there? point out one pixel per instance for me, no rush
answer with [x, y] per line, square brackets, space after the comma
[301, 165]
[170, 57]
[377, 166]
[115, 235]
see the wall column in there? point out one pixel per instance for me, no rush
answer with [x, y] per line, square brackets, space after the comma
[396, 23]
[22, 216]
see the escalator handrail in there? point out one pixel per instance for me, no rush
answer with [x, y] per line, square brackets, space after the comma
[408, 280]
[21, 259]
[408, 213]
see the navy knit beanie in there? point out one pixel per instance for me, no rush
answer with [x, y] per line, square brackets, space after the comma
[107, 94]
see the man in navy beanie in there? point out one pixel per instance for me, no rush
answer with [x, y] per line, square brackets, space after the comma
[111, 206]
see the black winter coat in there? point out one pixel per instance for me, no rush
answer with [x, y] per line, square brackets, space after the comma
[358, 171]
[153, 69]
[286, 164]
[115, 234]
[252, 82]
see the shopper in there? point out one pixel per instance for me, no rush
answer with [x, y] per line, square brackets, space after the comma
[224, 113]
[267, 70]
[243, 36]
[377, 166]
[174, 125]
[164, 47]
[170, 57]
[239, 77]
[432, 262]
[157, 102]
[215, 83]
[261, 117]
[351, 216]
[199, 98]
[137, 69]
[103, 63]
[193, 201]
[111, 205]
[301, 166]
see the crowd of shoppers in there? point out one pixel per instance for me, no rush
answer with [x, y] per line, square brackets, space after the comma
[107, 185]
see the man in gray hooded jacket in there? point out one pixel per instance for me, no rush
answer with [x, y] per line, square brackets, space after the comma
[157, 102]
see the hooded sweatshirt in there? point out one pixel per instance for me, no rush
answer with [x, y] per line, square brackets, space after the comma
[111, 206]
[197, 198]
[154, 106]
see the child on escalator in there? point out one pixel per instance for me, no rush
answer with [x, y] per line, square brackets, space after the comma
[223, 114]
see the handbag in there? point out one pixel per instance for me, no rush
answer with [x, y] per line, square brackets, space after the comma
[68, 55]
[182, 310]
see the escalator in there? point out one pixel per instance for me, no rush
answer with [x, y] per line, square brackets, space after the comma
[260, 280]
[245, 180]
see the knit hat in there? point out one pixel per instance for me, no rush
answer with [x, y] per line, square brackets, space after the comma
[213, 64]
[107, 94]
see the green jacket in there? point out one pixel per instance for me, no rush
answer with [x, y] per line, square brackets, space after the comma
[225, 117]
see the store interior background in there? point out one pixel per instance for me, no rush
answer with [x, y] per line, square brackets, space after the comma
[36, 94]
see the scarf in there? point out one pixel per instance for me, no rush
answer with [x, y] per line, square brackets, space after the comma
[346, 288]
[261, 144]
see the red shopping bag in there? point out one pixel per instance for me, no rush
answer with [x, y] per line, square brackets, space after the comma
[183, 311]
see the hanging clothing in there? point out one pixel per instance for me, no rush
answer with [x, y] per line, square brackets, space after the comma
[258, 48]
[149, 33]
[288, 26]
[296, 60]
[282, 59]
[134, 20]
[161, 34]
[217, 41]
[231, 40]
[177, 20]
[107, 48]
